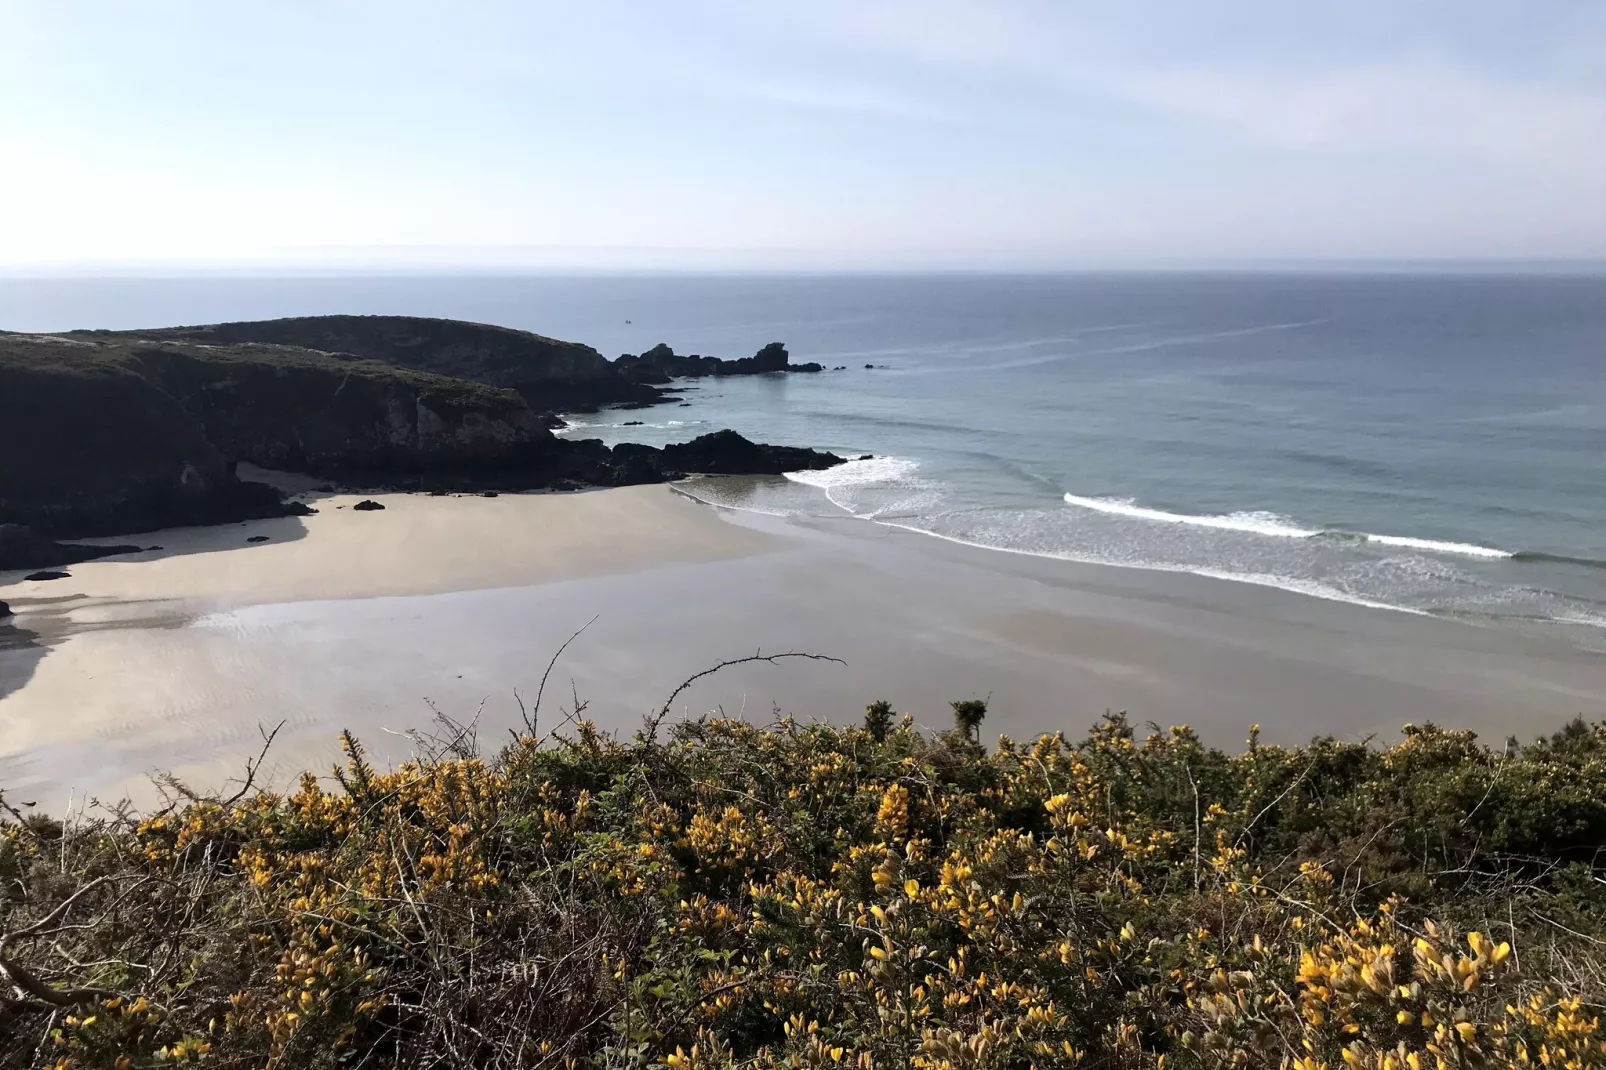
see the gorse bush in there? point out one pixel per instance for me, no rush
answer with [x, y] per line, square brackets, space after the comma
[804, 895]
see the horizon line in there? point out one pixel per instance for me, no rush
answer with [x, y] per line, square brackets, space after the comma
[182, 268]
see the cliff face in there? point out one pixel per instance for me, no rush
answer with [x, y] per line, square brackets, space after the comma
[104, 433]
[552, 376]
[289, 409]
[90, 447]
[121, 435]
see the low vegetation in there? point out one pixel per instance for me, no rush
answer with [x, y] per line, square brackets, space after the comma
[802, 895]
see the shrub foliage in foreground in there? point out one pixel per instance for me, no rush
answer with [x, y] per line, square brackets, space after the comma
[812, 896]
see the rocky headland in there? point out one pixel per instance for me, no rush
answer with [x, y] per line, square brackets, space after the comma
[116, 432]
[661, 364]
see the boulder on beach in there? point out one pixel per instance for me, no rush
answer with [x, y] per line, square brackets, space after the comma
[367, 505]
[5, 611]
[47, 575]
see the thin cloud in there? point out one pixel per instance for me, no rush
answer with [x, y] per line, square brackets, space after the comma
[1426, 105]
[862, 100]
[814, 91]
[1419, 96]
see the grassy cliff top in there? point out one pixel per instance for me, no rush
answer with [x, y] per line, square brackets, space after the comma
[802, 895]
[90, 353]
[377, 325]
[502, 356]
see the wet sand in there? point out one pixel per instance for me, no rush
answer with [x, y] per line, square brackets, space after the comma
[367, 620]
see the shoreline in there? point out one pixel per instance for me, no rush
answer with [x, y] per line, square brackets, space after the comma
[1276, 583]
[364, 621]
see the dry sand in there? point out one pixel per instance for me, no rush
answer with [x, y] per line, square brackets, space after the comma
[417, 545]
[364, 620]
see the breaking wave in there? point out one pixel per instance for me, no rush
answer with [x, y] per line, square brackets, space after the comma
[1271, 524]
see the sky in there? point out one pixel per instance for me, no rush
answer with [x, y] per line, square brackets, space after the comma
[762, 134]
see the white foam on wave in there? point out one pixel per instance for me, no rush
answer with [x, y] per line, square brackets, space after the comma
[1306, 587]
[1265, 523]
[1257, 523]
[854, 473]
[897, 469]
[885, 472]
[1433, 546]
[582, 425]
[1309, 588]
[686, 490]
[1587, 619]
[893, 471]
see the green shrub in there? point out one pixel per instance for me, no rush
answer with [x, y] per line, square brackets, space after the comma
[804, 895]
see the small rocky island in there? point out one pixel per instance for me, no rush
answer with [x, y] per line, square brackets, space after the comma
[114, 432]
[660, 364]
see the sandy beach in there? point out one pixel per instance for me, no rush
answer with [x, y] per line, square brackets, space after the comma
[175, 658]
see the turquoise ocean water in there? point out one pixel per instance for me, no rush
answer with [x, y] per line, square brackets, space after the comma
[1431, 444]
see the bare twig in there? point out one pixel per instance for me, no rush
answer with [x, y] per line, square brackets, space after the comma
[1565, 929]
[534, 716]
[657, 719]
[1300, 779]
[25, 984]
[252, 767]
[1197, 827]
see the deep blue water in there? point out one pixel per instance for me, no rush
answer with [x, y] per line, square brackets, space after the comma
[1430, 443]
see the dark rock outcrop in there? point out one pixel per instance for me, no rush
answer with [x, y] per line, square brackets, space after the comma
[660, 364]
[367, 506]
[92, 447]
[720, 453]
[5, 610]
[48, 575]
[116, 433]
[727, 453]
[298, 411]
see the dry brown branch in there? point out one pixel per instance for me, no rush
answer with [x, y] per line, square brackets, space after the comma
[534, 717]
[24, 983]
[252, 766]
[651, 727]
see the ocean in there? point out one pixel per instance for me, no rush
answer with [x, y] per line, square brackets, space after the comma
[1417, 443]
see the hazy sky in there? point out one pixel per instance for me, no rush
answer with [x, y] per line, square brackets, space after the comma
[857, 133]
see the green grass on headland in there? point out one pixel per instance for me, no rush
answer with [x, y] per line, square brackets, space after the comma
[813, 896]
